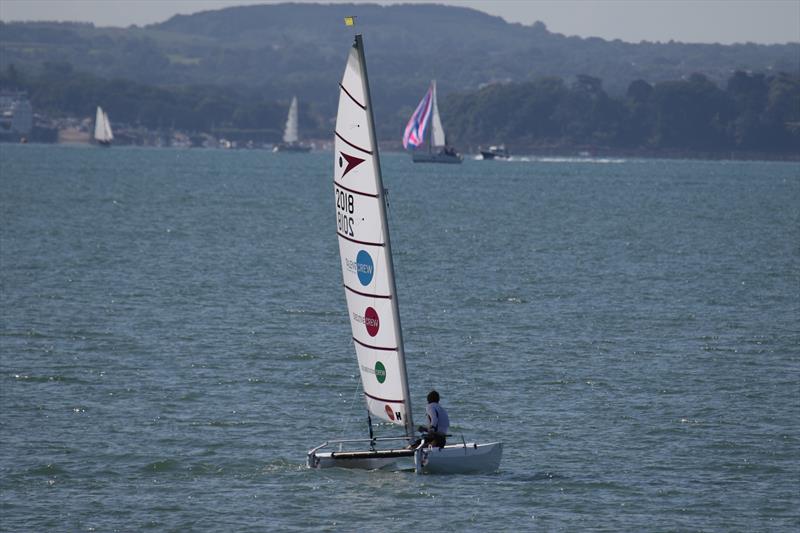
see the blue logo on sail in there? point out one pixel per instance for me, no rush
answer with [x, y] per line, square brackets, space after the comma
[364, 268]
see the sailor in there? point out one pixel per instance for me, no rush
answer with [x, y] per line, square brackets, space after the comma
[438, 422]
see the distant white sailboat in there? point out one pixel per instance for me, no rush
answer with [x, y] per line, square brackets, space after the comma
[102, 128]
[291, 139]
[428, 112]
[368, 271]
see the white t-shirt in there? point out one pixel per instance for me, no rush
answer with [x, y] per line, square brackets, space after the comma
[437, 418]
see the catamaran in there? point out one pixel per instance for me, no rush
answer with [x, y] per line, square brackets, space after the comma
[371, 294]
[102, 128]
[291, 138]
[438, 150]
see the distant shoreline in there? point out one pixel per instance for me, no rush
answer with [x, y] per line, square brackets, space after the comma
[594, 152]
[645, 153]
[580, 152]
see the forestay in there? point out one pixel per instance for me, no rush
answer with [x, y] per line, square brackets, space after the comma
[365, 251]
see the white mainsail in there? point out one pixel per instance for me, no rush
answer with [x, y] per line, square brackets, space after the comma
[437, 131]
[290, 134]
[102, 127]
[107, 126]
[99, 129]
[365, 250]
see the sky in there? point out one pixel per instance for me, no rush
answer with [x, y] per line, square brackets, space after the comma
[696, 21]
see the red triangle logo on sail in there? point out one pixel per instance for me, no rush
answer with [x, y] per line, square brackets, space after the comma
[352, 162]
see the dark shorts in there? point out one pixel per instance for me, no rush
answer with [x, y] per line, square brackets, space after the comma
[436, 439]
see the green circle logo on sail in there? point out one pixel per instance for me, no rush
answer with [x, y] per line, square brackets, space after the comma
[380, 372]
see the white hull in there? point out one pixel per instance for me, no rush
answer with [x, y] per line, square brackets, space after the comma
[329, 460]
[462, 458]
[469, 458]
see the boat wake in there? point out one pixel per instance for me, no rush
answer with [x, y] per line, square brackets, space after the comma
[586, 160]
[556, 159]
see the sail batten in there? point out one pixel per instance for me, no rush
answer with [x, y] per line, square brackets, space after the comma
[365, 150]
[382, 399]
[388, 349]
[356, 192]
[365, 250]
[365, 243]
[368, 295]
[359, 104]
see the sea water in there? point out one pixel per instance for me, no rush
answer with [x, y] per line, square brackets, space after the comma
[174, 339]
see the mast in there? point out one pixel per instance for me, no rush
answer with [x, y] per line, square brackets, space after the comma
[409, 422]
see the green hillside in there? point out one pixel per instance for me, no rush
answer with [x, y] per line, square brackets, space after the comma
[238, 66]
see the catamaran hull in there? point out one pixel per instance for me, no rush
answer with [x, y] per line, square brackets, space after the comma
[469, 458]
[464, 458]
[366, 461]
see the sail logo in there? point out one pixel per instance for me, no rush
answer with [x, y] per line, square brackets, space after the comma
[363, 267]
[380, 372]
[393, 414]
[370, 320]
[352, 162]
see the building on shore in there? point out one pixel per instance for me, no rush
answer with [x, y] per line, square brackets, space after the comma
[16, 116]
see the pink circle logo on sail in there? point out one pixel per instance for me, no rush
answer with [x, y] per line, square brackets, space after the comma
[372, 321]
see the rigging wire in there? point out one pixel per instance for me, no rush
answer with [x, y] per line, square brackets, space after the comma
[349, 408]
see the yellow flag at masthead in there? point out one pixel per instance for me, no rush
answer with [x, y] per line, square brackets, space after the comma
[350, 21]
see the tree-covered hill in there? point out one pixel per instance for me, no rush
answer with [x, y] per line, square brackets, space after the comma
[751, 113]
[237, 68]
[288, 49]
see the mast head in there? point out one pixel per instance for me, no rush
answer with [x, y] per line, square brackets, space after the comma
[351, 21]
